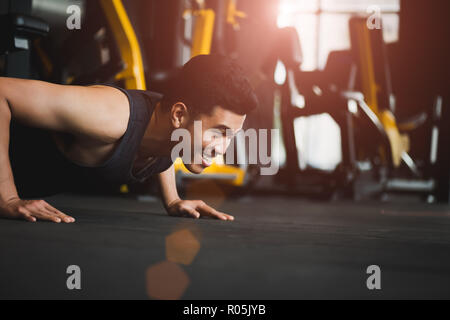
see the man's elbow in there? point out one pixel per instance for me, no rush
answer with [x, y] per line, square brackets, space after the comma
[3, 97]
[5, 111]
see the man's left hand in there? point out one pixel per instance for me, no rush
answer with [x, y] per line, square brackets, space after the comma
[195, 209]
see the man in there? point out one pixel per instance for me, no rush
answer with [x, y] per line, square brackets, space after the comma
[56, 138]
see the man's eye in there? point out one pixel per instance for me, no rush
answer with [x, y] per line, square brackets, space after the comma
[225, 135]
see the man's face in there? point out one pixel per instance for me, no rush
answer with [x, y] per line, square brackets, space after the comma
[218, 129]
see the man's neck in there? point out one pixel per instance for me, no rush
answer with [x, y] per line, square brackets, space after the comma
[156, 141]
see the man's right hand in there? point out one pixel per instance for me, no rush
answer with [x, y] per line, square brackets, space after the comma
[32, 210]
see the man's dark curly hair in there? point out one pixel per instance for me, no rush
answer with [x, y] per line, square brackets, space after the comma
[207, 81]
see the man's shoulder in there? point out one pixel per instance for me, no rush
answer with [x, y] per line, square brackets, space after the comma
[155, 97]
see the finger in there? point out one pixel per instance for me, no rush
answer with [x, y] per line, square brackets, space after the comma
[45, 215]
[29, 218]
[211, 212]
[231, 218]
[193, 213]
[26, 215]
[63, 216]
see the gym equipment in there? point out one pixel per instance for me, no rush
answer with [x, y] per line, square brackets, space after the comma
[20, 30]
[321, 95]
[111, 53]
[133, 73]
[375, 76]
[355, 89]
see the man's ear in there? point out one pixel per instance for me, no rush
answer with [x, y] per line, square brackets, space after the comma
[179, 115]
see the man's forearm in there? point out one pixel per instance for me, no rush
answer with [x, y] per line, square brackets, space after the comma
[8, 189]
[168, 186]
[184, 208]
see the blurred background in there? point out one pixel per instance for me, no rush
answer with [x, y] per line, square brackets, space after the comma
[358, 88]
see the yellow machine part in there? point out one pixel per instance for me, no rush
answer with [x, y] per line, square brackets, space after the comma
[203, 32]
[216, 170]
[133, 74]
[399, 142]
[233, 14]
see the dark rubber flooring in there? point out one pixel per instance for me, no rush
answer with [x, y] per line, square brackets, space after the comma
[278, 248]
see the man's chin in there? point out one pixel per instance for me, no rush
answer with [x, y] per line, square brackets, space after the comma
[195, 168]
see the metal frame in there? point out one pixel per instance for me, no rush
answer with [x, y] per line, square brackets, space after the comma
[130, 51]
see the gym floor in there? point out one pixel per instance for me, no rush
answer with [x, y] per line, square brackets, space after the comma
[277, 248]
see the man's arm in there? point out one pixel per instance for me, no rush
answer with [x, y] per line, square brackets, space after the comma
[184, 208]
[95, 112]
[10, 204]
